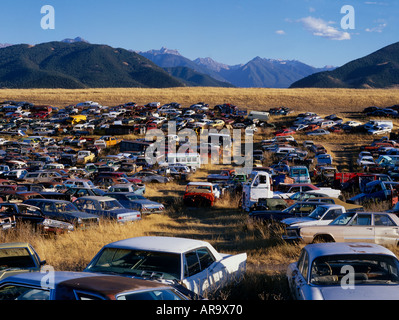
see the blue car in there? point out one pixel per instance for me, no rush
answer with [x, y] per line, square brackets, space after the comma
[324, 158]
[376, 191]
[65, 211]
[107, 207]
[138, 202]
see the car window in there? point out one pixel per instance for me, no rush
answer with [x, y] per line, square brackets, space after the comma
[205, 258]
[362, 220]
[86, 204]
[332, 214]
[151, 295]
[48, 207]
[86, 296]
[192, 264]
[15, 292]
[383, 220]
[303, 263]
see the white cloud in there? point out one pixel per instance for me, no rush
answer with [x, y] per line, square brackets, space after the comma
[321, 28]
[378, 28]
[376, 3]
[281, 32]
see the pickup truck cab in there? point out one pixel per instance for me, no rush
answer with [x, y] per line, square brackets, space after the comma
[200, 194]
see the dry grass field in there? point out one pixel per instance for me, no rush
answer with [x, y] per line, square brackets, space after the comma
[318, 100]
[225, 225]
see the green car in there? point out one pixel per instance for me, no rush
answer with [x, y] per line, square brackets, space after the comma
[18, 257]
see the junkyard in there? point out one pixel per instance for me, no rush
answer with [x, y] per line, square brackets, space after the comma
[78, 182]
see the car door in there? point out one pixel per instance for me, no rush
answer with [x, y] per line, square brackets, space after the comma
[360, 229]
[87, 205]
[298, 279]
[201, 270]
[386, 231]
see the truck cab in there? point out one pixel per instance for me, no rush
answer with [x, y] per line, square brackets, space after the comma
[258, 186]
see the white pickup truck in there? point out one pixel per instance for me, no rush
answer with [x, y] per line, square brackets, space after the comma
[193, 263]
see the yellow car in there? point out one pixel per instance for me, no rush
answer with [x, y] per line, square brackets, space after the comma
[18, 257]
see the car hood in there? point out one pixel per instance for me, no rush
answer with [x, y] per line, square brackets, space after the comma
[357, 197]
[360, 292]
[146, 203]
[291, 221]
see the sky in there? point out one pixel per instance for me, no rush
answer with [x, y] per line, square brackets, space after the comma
[316, 32]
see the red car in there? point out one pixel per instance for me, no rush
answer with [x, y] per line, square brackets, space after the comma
[284, 132]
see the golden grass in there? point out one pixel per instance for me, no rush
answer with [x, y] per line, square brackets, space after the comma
[317, 100]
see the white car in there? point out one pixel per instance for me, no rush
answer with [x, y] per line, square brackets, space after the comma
[194, 263]
[381, 129]
[365, 161]
[353, 123]
[344, 271]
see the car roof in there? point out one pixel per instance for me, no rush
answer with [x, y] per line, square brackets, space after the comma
[98, 198]
[14, 245]
[106, 284]
[163, 244]
[45, 200]
[334, 248]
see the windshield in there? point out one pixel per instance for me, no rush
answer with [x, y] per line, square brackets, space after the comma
[65, 207]
[318, 213]
[135, 197]
[138, 263]
[199, 189]
[303, 208]
[11, 258]
[363, 269]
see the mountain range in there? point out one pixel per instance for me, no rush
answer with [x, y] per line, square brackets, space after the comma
[379, 69]
[259, 72]
[76, 63]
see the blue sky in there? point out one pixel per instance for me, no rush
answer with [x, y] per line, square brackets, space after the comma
[228, 31]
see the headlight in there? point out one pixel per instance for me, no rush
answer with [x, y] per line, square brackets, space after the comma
[292, 232]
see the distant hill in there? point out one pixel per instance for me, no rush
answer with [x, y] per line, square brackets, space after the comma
[377, 70]
[258, 72]
[78, 65]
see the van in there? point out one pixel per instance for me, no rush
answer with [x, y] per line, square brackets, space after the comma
[327, 124]
[191, 160]
[300, 174]
[260, 115]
